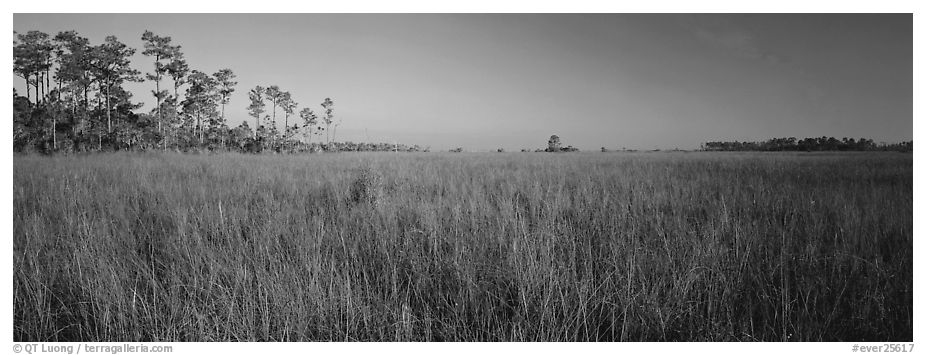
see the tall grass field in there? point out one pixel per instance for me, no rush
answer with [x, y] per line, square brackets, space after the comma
[464, 247]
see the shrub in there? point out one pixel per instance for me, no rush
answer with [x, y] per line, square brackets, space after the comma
[367, 186]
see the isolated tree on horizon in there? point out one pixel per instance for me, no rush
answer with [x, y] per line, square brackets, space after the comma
[256, 108]
[554, 144]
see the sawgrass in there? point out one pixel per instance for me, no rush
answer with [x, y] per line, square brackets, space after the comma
[464, 247]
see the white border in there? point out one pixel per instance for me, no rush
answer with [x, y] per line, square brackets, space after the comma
[472, 6]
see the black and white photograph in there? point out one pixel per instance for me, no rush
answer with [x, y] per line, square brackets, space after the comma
[494, 177]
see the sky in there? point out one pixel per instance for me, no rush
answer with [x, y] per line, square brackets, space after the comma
[488, 81]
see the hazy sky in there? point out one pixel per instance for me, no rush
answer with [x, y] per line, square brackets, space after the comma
[484, 81]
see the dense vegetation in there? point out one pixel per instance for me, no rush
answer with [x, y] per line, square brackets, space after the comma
[669, 246]
[809, 145]
[76, 101]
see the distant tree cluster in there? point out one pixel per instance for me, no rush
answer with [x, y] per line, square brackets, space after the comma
[554, 145]
[809, 145]
[291, 138]
[76, 101]
[302, 147]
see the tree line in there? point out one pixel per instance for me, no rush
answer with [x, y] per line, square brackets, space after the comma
[76, 101]
[809, 145]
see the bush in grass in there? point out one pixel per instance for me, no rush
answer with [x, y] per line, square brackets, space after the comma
[367, 186]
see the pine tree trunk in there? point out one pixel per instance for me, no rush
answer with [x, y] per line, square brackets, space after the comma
[48, 78]
[201, 129]
[44, 88]
[41, 83]
[195, 125]
[273, 138]
[28, 89]
[223, 120]
[157, 88]
[37, 97]
[109, 123]
[74, 119]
